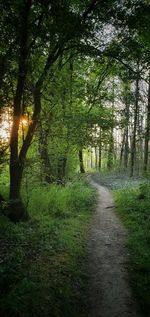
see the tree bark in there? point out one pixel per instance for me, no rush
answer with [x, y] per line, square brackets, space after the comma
[82, 170]
[44, 155]
[15, 165]
[62, 170]
[147, 132]
[122, 148]
[100, 150]
[96, 158]
[18, 164]
[126, 146]
[17, 160]
[110, 160]
[110, 151]
[91, 158]
[133, 145]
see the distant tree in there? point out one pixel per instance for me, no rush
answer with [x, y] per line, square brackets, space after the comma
[147, 132]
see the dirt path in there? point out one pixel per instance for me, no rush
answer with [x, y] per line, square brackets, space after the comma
[109, 292]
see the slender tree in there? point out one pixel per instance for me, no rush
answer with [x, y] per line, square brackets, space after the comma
[136, 109]
[147, 132]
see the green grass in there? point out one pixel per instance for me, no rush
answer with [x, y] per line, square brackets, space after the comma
[42, 260]
[134, 207]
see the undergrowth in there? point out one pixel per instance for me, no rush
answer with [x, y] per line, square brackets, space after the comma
[42, 259]
[134, 207]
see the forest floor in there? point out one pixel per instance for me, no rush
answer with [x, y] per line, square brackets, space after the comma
[115, 181]
[108, 290]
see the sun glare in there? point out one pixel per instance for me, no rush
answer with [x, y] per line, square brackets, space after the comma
[5, 126]
[4, 130]
[24, 122]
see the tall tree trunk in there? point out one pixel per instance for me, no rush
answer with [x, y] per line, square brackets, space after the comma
[110, 151]
[122, 148]
[17, 210]
[140, 157]
[15, 158]
[82, 170]
[111, 140]
[91, 158]
[62, 162]
[126, 146]
[96, 158]
[100, 150]
[147, 132]
[44, 155]
[15, 164]
[133, 145]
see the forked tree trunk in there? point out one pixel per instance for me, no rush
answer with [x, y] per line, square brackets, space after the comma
[17, 211]
[16, 167]
[17, 159]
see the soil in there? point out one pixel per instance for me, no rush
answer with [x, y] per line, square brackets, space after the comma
[109, 294]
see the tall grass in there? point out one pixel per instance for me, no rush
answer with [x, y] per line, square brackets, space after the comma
[42, 260]
[134, 207]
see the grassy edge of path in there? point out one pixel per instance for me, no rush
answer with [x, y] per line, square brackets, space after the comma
[133, 206]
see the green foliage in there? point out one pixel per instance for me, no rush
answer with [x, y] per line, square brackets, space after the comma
[60, 201]
[4, 182]
[42, 260]
[134, 207]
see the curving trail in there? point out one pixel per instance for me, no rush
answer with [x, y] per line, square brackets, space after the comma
[109, 294]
